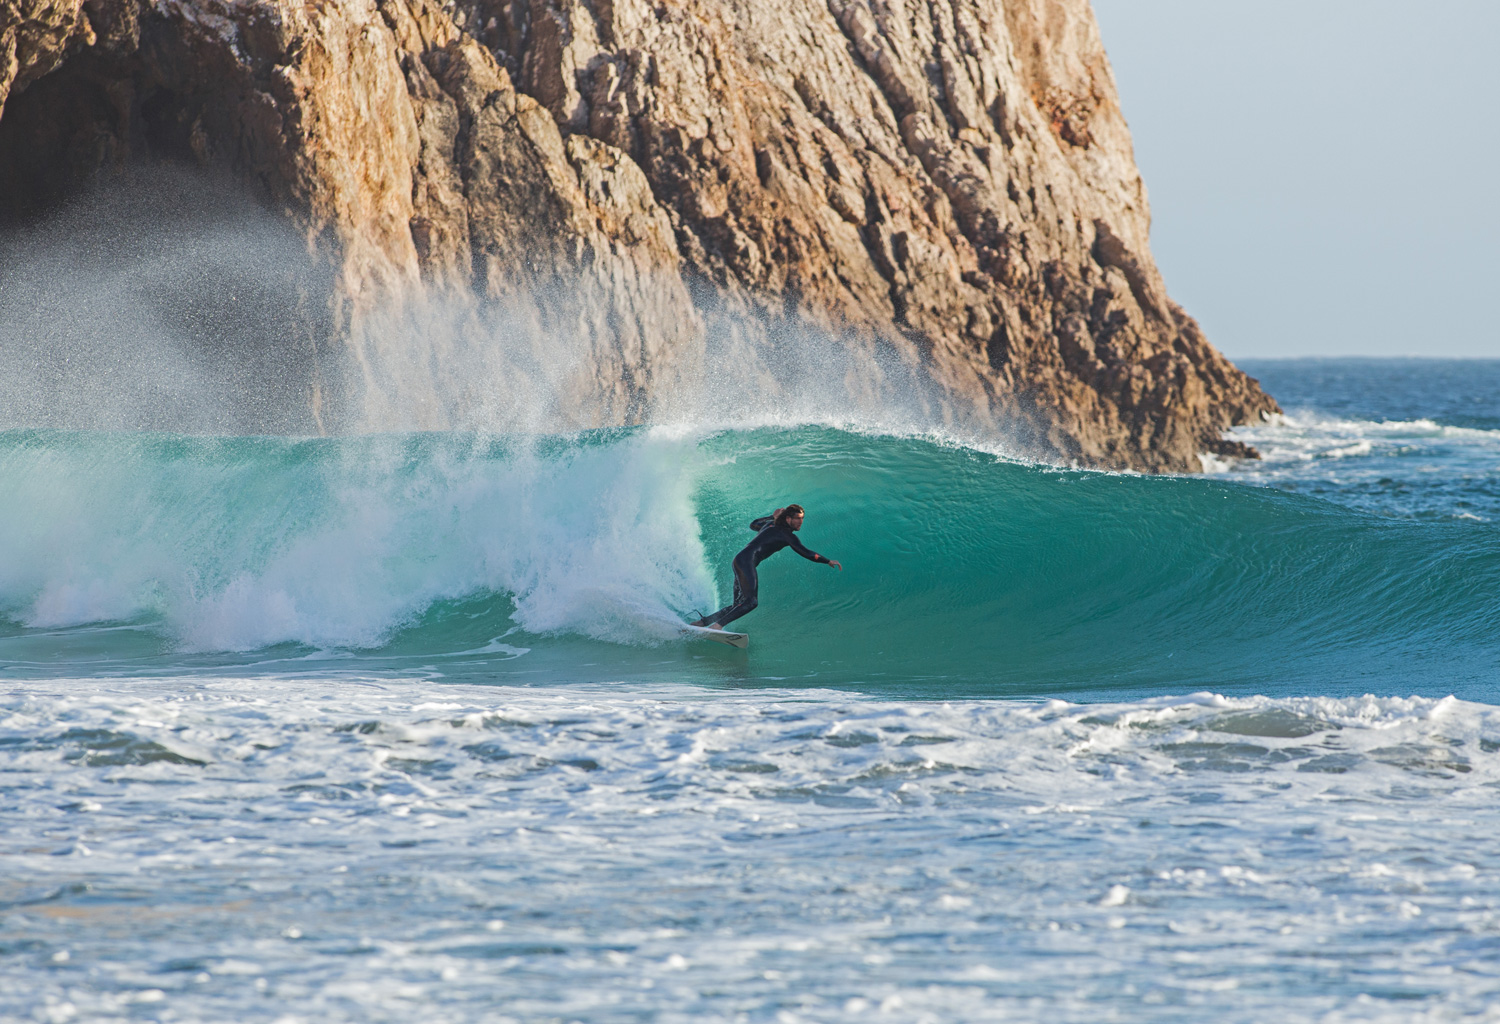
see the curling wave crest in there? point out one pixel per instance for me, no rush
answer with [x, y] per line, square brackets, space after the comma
[576, 558]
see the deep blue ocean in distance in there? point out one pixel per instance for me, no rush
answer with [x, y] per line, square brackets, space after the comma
[403, 727]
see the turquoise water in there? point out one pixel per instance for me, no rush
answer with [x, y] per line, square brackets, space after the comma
[403, 727]
[548, 560]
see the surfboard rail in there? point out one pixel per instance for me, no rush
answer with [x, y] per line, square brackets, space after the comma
[723, 636]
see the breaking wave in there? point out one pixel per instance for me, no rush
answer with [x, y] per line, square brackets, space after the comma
[575, 558]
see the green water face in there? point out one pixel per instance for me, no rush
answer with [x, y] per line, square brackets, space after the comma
[548, 560]
[962, 570]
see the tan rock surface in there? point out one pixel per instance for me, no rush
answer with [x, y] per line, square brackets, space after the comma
[951, 178]
[35, 36]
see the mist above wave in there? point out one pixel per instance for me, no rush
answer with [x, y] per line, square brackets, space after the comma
[161, 301]
[165, 300]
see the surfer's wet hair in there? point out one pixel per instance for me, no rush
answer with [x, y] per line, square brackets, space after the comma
[788, 512]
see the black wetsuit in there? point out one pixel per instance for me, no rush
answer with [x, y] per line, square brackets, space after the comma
[769, 539]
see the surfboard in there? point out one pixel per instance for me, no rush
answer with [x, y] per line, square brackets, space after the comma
[723, 636]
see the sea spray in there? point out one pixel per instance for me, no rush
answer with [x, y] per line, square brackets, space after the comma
[166, 300]
[163, 300]
[239, 544]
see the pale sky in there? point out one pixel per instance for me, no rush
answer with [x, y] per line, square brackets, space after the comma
[1322, 173]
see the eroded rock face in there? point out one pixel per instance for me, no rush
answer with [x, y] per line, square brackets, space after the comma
[35, 37]
[953, 178]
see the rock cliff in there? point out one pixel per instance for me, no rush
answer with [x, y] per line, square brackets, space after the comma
[950, 178]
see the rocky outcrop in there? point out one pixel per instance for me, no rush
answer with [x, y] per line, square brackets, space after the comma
[951, 178]
[35, 37]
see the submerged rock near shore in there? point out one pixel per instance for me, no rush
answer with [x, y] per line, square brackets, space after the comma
[949, 179]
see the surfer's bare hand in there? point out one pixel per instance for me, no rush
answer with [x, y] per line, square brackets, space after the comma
[835, 563]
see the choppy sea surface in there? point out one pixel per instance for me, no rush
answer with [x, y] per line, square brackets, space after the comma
[402, 728]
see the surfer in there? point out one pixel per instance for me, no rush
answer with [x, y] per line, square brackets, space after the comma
[772, 533]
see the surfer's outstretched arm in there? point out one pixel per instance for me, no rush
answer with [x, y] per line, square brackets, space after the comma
[813, 556]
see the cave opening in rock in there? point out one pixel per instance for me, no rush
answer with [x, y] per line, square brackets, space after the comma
[57, 135]
[143, 283]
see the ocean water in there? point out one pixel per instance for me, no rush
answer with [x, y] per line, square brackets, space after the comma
[403, 727]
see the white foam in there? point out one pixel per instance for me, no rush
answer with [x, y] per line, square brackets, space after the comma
[1309, 435]
[338, 549]
[1215, 464]
[476, 851]
[1402, 467]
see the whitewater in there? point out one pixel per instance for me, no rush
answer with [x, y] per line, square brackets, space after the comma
[401, 726]
[299, 849]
